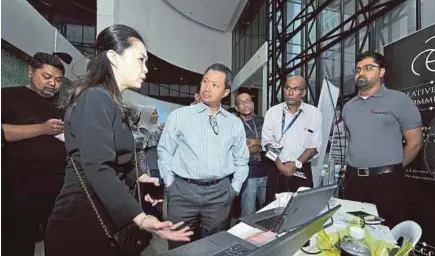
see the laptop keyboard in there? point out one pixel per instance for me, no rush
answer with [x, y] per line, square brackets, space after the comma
[269, 223]
[235, 250]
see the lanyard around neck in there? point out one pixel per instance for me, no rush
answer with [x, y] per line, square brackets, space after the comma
[254, 131]
[283, 131]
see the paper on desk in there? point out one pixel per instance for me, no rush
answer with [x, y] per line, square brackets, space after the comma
[381, 232]
[243, 230]
[281, 201]
[261, 238]
[300, 175]
[342, 219]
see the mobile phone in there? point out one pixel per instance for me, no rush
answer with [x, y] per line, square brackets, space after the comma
[373, 220]
[368, 218]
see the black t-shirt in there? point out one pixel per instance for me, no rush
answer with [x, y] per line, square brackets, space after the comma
[253, 128]
[34, 166]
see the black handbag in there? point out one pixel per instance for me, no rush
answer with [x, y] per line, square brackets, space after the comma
[130, 240]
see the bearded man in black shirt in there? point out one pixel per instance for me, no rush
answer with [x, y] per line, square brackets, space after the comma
[33, 154]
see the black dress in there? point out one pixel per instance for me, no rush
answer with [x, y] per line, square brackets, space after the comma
[101, 144]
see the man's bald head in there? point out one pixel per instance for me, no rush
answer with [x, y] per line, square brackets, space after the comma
[294, 91]
[296, 80]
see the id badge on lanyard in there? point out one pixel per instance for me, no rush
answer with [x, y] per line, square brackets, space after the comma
[276, 148]
[273, 151]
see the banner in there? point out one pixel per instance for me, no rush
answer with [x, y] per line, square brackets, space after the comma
[338, 143]
[327, 103]
[410, 68]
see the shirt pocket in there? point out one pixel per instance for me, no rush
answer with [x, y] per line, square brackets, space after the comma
[307, 137]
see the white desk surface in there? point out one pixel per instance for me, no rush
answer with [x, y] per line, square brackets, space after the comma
[243, 230]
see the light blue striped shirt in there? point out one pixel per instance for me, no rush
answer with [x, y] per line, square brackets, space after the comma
[189, 147]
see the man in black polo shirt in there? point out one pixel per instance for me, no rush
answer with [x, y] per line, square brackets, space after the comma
[32, 157]
[377, 120]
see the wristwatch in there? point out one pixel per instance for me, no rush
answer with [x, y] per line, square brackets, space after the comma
[298, 164]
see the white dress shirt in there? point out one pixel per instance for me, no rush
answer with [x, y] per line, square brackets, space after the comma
[304, 133]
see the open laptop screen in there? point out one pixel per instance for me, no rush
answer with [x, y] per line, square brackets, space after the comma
[303, 204]
[291, 242]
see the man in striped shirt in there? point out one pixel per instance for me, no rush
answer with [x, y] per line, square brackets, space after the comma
[203, 158]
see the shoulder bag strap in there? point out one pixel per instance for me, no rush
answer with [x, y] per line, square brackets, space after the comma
[94, 208]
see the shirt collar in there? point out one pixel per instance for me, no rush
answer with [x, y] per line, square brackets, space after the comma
[379, 93]
[252, 118]
[201, 107]
[301, 107]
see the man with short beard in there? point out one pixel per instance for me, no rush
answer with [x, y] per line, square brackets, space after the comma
[254, 188]
[293, 128]
[34, 158]
[376, 121]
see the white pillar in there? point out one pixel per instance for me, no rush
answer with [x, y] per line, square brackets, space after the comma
[107, 13]
[264, 91]
[233, 99]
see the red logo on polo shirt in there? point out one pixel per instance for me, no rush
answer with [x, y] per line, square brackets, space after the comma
[374, 112]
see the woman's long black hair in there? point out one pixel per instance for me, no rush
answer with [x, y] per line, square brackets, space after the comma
[99, 70]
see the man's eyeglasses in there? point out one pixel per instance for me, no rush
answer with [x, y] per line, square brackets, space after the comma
[214, 124]
[366, 68]
[293, 89]
[244, 102]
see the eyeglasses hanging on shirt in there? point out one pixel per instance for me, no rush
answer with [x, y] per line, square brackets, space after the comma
[213, 124]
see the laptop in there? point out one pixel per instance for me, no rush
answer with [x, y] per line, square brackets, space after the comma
[222, 243]
[291, 242]
[302, 207]
[225, 244]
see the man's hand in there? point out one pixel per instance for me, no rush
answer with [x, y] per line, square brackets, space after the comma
[253, 142]
[287, 168]
[254, 145]
[290, 168]
[52, 127]
[254, 149]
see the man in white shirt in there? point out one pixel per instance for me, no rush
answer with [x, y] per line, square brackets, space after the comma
[292, 137]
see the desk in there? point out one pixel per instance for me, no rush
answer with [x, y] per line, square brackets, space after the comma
[243, 230]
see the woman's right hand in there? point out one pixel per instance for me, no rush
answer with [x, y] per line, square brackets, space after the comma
[148, 179]
[151, 200]
[167, 230]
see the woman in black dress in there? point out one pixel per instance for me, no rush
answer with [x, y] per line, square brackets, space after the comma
[99, 140]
